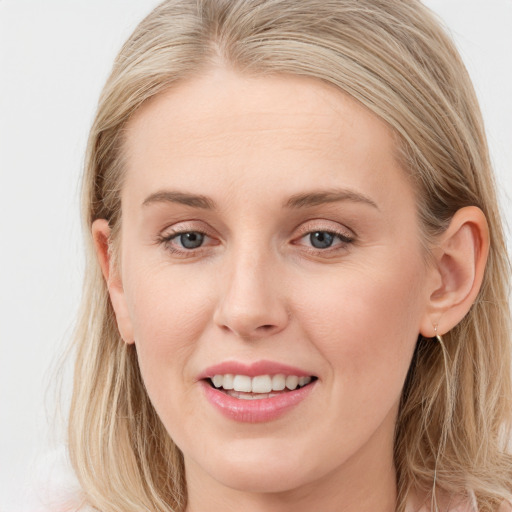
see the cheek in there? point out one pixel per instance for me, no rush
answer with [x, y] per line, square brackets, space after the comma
[166, 305]
[365, 324]
[169, 314]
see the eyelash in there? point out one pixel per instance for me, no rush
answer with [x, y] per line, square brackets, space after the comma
[166, 240]
[344, 238]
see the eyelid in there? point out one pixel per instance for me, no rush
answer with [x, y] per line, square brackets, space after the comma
[324, 225]
[187, 227]
[167, 236]
[346, 238]
[345, 235]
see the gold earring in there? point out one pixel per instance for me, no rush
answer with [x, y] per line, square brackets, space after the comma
[438, 336]
[439, 339]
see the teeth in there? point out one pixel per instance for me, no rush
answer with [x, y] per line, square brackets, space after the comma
[228, 381]
[261, 384]
[292, 381]
[251, 396]
[303, 381]
[242, 383]
[218, 381]
[278, 382]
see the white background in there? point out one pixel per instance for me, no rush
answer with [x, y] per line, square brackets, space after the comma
[54, 57]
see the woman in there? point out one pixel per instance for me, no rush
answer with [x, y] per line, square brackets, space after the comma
[297, 287]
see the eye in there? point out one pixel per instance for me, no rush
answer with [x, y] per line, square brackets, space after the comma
[190, 239]
[185, 242]
[325, 241]
[321, 239]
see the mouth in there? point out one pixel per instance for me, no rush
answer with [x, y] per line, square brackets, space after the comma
[256, 392]
[244, 387]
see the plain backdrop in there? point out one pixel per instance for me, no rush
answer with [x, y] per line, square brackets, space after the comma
[54, 58]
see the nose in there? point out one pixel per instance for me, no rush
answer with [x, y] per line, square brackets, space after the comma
[252, 303]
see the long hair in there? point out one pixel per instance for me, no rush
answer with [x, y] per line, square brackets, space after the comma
[394, 57]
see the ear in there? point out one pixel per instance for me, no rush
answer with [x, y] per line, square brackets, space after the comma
[460, 258]
[101, 237]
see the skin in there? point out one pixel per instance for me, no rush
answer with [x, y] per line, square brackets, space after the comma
[258, 289]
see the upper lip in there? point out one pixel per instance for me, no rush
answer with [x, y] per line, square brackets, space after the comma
[252, 369]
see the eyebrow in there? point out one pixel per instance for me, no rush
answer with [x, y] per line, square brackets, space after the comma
[303, 200]
[328, 196]
[170, 196]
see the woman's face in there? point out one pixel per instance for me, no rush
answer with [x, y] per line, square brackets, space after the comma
[268, 233]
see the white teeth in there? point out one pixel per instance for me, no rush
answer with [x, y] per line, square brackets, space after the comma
[242, 383]
[261, 384]
[228, 381]
[278, 382]
[218, 381]
[292, 381]
[251, 396]
[304, 380]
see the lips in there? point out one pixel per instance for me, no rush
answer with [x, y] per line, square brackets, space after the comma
[258, 392]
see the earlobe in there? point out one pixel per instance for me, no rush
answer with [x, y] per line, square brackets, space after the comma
[101, 237]
[460, 258]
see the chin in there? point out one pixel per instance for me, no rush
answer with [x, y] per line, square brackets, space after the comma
[260, 469]
[266, 480]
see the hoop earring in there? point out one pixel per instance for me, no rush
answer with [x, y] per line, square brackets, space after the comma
[437, 336]
[449, 401]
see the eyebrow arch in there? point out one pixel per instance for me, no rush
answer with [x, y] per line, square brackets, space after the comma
[302, 200]
[316, 198]
[172, 196]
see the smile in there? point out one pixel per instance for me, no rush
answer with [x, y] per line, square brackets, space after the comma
[258, 392]
[244, 387]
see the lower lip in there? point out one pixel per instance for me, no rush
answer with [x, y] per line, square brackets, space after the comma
[258, 410]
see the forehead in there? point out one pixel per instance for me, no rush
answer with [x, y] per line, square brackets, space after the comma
[227, 130]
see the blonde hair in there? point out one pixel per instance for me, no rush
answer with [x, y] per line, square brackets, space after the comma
[394, 58]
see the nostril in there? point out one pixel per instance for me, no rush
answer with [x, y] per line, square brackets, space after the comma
[266, 329]
[257, 333]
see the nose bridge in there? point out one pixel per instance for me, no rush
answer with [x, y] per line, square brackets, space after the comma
[251, 304]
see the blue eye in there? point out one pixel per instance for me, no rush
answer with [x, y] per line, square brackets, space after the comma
[327, 239]
[321, 239]
[190, 239]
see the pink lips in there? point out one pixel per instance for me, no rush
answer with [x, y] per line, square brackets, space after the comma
[254, 411]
